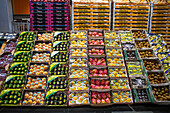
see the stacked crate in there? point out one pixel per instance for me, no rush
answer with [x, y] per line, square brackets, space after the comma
[128, 15]
[51, 15]
[91, 15]
[160, 20]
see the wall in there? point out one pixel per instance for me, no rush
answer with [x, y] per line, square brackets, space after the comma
[6, 17]
[21, 7]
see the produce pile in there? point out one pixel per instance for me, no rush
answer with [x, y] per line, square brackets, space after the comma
[93, 67]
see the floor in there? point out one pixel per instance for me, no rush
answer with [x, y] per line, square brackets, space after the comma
[139, 108]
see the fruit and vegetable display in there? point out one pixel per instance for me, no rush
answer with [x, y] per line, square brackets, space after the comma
[78, 35]
[134, 68]
[131, 55]
[126, 36]
[122, 96]
[100, 98]
[14, 82]
[80, 52]
[138, 82]
[100, 84]
[78, 43]
[9, 36]
[10, 46]
[60, 36]
[142, 44]
[27, 36]
[79, 98]
[97, 62]
[60, 45]
[111, 35]
[41, 57]
[57, 82]
[43, 47]
[128, 46]
[33, 98]
[76, 68]
[113, 43]
[5, 60]
[56, 97]
[21, 56]
[45, 36]
[98, 72]
[19, 68]
[146, 53]
[58, 56]
[141, 95]
[78, 73]
[10, 97]
[152, 64]
[157, 78]
[161, 93]
[58, 69]
[113, 52]
[24, 46]
[117, 72]
[36, 83]
[139, 34]
[38, 69]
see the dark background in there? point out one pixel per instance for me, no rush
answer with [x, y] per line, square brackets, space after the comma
[137, 108]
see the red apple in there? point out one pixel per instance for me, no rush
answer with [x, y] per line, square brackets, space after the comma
[93, 50]
[97, 87]
[99, 54]
[93, 86]
[100, 34]
[106, 82]
[90, 60]
[105, 75]
[100, 75]
[95, 70]
[97, 51]
[93, 81]
[95, 74]
[101, 87]
[108, 95]
[94, 94]
[107, 87]
[103, 101]
[108, 100]
[98, 101]
[98, 95]
[104, 63]
[100, 72]
[105, 71]
[102, 82]
[94, 33]
[90, 71]
[95, 59]
[98, 82]
[103, 95]
[90, 33]
[93, 101]
[102, 51]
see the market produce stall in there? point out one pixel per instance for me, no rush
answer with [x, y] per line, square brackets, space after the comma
[92, 67]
